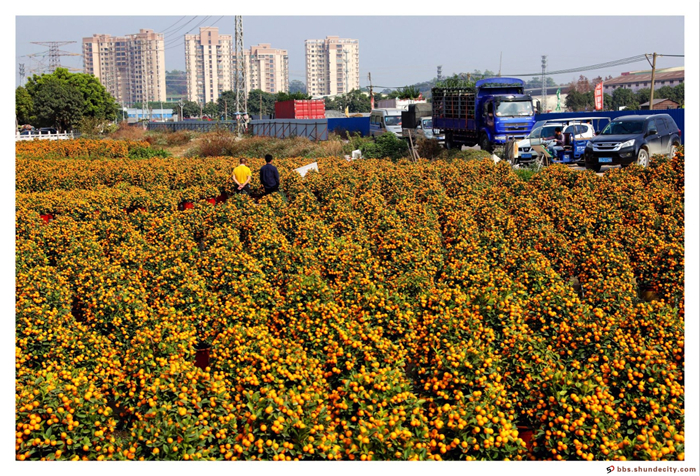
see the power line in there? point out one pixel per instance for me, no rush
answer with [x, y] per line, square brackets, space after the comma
[171, 26]
[631, 59]
[178, 42]
[183, 26]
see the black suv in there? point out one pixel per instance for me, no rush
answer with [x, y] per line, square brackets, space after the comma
[629, 139]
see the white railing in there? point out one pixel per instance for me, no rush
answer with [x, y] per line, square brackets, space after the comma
[45, 136]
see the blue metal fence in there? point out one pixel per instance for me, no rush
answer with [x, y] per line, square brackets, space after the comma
[349, 124]
[678, 115]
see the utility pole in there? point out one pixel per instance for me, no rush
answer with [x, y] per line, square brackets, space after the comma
[500, 63]
[21, 74]
[371, 94]
[544, 85]
[240, 78]
[653, 76]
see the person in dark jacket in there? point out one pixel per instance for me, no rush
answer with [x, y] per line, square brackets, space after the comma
[269, 176]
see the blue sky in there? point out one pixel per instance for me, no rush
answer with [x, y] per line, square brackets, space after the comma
[396, 50]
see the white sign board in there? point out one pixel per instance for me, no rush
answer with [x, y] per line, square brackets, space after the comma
[303, 170]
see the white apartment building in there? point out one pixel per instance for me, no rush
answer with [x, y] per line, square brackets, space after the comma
[131, 68]
[332, 66]
[208, 64]
[267, 68]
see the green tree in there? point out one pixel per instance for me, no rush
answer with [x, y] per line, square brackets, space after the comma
[227, 105]
[676, 93]
[190, 109]
[256, 97]
[283, 96]
[679, 94]
[643, 95]
[355, 100]
[623, 97]
[23, 105]
[211, 109]
[57, 104]
[96, 101]
[296, 86]
[536, 82]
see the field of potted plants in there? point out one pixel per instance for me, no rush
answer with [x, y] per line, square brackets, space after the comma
[381, 310]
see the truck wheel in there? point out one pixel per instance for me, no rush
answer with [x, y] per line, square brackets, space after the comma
[484, 143]
[448, 141]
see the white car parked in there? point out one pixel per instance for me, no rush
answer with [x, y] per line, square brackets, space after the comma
[543, 132]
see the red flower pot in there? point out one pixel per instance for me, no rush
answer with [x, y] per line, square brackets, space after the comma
[211, 200]
[201, 358]
[186, 206]
[47, 217]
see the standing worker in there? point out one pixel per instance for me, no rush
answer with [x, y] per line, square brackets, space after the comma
[269, 176]
[242, 176]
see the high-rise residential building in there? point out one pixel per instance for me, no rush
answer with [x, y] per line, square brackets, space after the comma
[267, 68]
[131, 67]
[332, 66]
[208, 64]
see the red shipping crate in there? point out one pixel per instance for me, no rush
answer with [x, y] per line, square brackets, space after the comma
[300, 109]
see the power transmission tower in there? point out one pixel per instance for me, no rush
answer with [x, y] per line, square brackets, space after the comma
[544, 84]
[21, 74]
[240, 78]
[55, 53]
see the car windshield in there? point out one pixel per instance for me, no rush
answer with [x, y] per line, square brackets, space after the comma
[392, 120]
[620, 127]
[548, 131]
[514, 108]
[428, 124]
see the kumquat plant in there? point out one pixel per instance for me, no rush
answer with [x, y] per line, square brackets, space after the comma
[378, 310]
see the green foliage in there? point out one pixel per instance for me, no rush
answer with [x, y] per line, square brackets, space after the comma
[255, 97]
[76, 95]
[577, 101]
[407, 92]
[676, 93]
[624, 97]
[385, 146]
[211, 109]
[57, 104]
[643, 95]
[355, 100]
[282, 96]
[146, 153]
[456, 81]
[23, 105]
[190, 109]
[536, 82]
[226, 105]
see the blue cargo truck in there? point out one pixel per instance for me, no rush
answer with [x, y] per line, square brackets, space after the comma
[492, 112]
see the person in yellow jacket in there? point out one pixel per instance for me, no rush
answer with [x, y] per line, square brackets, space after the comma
[242, 175]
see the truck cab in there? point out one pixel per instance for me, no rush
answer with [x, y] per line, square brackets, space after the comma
[493, 111]
[385, 120]
[505, 112]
